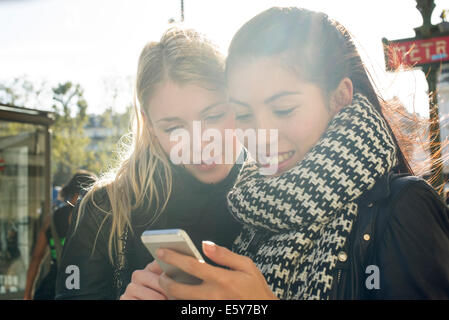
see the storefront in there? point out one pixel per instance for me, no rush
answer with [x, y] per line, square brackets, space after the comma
[24, 191]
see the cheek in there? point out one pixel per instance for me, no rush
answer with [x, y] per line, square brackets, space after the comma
[164, 141]
[294, 134]
[304, 132]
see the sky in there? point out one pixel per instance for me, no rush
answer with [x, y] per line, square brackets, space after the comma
[97, 42]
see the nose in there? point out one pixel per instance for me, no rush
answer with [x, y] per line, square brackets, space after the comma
[267, 137]
[205, 142]
[196, 143]
[263, 121]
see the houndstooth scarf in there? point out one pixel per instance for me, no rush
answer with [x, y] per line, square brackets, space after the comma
[296, 223]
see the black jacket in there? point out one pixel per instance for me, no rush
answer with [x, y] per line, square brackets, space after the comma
[402, 229]
[200, 209]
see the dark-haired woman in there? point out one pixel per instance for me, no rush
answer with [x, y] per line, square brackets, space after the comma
[335, 221]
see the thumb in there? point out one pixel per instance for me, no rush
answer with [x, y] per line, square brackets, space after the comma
[226, 257]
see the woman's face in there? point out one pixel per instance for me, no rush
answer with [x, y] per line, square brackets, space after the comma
[176, 106]
[266, 95]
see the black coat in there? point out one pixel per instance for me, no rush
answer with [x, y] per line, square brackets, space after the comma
[402, 229]
[200, 209]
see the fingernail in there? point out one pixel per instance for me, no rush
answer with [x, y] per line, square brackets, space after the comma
[160, 253]
[209, 246]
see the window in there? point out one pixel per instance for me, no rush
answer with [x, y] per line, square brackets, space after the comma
[22, 200]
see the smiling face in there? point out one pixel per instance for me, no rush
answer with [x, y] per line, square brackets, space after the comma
[176, 106]
[265, 95]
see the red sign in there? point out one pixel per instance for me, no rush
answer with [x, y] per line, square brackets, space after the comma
[2, 164]
[413, 53]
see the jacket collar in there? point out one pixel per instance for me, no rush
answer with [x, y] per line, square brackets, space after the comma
[380, 190]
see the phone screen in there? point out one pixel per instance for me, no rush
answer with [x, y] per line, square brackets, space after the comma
[177, 240]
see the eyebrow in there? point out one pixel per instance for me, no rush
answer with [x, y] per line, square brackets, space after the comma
[280, 95]
[170, 119]
[268, 100]
[232, 100]
[213, 105]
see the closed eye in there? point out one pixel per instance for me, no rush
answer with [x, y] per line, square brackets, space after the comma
[243, 117]
[284, 112]
[171, 129]
[215, 116]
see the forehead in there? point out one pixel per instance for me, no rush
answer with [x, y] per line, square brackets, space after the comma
[182, 101]
[260, 78]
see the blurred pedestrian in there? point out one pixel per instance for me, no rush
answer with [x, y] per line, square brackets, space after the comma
[53, 234]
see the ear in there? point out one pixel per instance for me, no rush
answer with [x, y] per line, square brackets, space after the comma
[342, 96]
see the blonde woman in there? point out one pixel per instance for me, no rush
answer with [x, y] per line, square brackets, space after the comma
[180, 79]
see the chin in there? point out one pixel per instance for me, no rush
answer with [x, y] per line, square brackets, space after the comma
[213, 176]
[210, 179]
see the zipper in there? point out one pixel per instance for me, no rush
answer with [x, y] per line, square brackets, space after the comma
[336, 285]
[255, 241]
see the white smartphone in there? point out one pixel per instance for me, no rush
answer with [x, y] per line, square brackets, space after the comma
[177, 240]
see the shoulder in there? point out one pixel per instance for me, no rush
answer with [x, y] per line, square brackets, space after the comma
[411, 250]
[415, 212]
[92, 212]
[415, 205]
[96, 202]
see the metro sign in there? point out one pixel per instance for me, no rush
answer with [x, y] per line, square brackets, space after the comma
[416, 52]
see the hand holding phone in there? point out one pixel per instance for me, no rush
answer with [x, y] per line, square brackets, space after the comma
[177, 240]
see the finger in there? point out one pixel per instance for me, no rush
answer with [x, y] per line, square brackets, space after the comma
[136, 292]
[176, 290]
[154, 267]
[188, 264]
[226, 257]
[146, 279]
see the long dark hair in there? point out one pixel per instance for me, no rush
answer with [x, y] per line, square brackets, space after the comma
[319, 50]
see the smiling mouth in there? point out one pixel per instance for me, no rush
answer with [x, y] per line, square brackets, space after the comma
[277, 159]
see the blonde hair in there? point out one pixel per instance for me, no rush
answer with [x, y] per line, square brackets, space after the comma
[181, 56]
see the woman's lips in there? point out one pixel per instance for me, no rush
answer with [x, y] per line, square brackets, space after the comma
[281, 160]
[212, 163]
[205, 167]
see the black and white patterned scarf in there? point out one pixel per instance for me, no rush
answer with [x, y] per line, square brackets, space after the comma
[306, 214]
